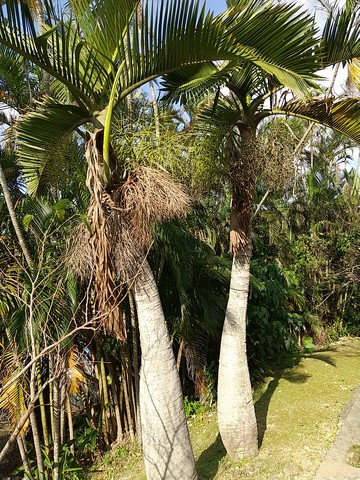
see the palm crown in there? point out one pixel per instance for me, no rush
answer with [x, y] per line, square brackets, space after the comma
[100, 52]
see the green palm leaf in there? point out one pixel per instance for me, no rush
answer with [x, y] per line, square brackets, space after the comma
[61, 50]
[287, 39]
[188, 84]
[162, 40]
[12, 75]
[251, 81]
[285, 48]
[341, 115]
[224, 116]
[39, 135]
[341, 35]
[103, 25]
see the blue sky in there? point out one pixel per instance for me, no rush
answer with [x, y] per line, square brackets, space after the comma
[217, 6]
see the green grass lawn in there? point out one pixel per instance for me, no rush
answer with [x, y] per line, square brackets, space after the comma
[298, 412]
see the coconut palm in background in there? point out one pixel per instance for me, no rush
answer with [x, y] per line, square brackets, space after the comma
[253, 96]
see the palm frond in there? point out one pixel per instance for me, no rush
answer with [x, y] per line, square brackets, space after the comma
[287, 41]
[341, 35]
[196, 80]
[249, 80]
[354, 74]
[103, 24]
[341, 115]
[284, 49]
[12, 75]
[199, 37]
[226, 115]
[84, 48]
[60, 50]
[39, 134]
[12, 398]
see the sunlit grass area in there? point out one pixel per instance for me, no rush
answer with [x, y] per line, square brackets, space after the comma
[298, 411]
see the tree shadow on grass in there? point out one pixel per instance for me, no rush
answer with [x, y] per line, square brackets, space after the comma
[263, 403]
[207, 464]
[323, 357]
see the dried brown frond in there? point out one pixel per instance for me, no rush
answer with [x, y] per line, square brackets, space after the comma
[125, 251]
[79, 257]
[148, 196]
[112, 246]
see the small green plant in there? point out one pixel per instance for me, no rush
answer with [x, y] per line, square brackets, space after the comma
[193, 407]
[338, 329]
[308, 345]
[86, 440]
[68, 469]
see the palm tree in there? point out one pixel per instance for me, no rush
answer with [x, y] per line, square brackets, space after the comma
[96, 55]
[255, 95]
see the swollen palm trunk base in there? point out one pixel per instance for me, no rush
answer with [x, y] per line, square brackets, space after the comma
[165, 437]
[236, 413]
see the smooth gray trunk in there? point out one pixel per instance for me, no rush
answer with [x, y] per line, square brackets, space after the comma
[56, 431]
[135, 360]
[25, 461]
[165, 437]
[236, 413]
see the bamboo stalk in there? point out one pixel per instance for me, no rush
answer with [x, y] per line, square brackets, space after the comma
[127, 403]
[62, 413]
[102, 417]
[44, 423]
[70, 422]
[56, 432]
[24, 457]
[34, 427]
[51, 400]
[106, 401]
[115, 397]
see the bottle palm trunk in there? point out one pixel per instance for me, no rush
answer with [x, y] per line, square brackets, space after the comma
[165, 437]
[236, 413]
